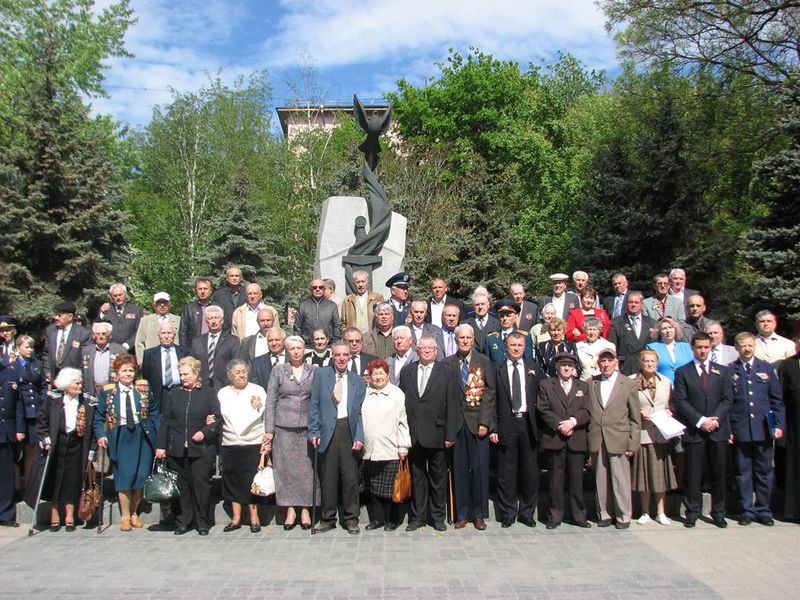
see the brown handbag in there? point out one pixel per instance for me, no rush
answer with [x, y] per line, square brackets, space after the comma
[90, 495]
[402, 482]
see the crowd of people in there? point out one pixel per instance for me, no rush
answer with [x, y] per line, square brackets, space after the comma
[640, 389]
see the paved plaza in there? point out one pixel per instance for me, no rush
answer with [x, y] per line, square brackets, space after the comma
[645, 561]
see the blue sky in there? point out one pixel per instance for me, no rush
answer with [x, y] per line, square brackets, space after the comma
[354, 46]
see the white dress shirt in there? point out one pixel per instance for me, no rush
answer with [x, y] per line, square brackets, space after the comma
[523, 407]
[606, 385]
[70, 413]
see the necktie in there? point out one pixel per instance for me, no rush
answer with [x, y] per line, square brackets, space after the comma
[423, 381]
[353, 366]
[714, 357]
[704, 376]
[212, 349]
[274, 359]
[480, 323]
[62, 347]
[747, 368]
[131, 425]
[637, 328]
[618, 305]
[167, 368]
[464, 371]
[337, 389]
[516, 389]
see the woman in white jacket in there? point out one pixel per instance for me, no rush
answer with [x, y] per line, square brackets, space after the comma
[386, 441]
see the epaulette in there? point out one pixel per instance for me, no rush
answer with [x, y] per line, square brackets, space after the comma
[493, 334]
[141, 382]
[109, 387]
[523, 331]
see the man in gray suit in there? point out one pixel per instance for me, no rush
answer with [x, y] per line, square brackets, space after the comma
[663, 304]
[97, 358]
[419, 328]
[403, 355]
[147, 334]
[528, 311]
[721, 353]
[614, 436]
[677, 286]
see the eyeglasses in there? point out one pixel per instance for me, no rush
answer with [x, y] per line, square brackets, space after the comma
[317, 287]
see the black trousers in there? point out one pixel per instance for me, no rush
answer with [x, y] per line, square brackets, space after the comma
[471, 475]
[696, 454]
[754, 473]
[194, 484]
[382, 510]
[339, 463]
[428, 484]
[8, 508]
[566, 466]
[517, 473]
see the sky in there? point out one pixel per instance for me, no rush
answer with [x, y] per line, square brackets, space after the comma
[349, 47]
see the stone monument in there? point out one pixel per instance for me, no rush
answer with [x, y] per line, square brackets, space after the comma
[358, 234]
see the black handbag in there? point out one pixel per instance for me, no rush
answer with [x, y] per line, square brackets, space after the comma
[162, 484]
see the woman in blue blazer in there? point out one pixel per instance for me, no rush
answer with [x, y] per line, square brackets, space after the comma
[672, 351]
[126, 423]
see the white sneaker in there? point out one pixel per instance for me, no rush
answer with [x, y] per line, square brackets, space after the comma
[662, 519]
[644, 519]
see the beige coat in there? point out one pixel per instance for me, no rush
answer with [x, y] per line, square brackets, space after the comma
[383, 415]
[238, 320]
[648, 405]
[147, 334]
[618, 425]
[347, 310]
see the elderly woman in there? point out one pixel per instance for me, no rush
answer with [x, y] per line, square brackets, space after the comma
[386, 441]
[589, 349]
[672, 351]
[288, 396]
[577, 316]
[188, 440]
[320, 355]
[541, 331]
[31, 392]
[241, 405]
[126, 424]
[546, 351]
[61, 428]
[652, 466]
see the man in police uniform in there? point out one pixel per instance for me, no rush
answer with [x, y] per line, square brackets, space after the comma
[398, 284]
[756, 416]
[495, 346]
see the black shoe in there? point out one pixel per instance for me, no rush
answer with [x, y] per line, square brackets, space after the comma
[745, 521]
[202, 531]
[390, 526]
[619, 525]
[289, 526]
[583, 524]
[231, 527]
[53, 527]
[305, 526]
[414, 525]
[353, 528]
[69, 527]
[255, 528]
[690, 522]
[766, 521]
[552, 524]
[322, 527]
[440, 527]
[506, 523]
[527, 522]
[604, 523]
[375, 525]
[180, 530]
[10, 524]
[720, 522]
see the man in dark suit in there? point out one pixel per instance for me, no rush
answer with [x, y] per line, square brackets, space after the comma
[756, 415]
[440, 297]
[193, 318]
[630, 333]
[471, 451]
[494, 346]
[434, 414]
[124, 317]
[358, 359]
[563, 405]
[335, 430]
[482, 322]
[261, 367]
[528, 311]
[696, 319]
[677, 286]
[215, 349]
[563, 300]
[615, 303]
[702, 396]
[160, 364]
[517, 380]
[230, 296]
[258, 344]
[97, 359]
[420, 327]
[65, 340]
[404, 353]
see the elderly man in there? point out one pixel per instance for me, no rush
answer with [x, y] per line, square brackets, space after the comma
[450, 319]
[471, 451]
[215, 349]
[662, 304]
[8, 346]
[434, 413]
[262, 364]
[147, 334]
[357, 309]
[580, 281]
[419, 327]
[630, 333]
[330, 292]
[702, 397]
[160, 364]
[614, 436]
[398, 286]
[757, 416]
[193, 318]
[482, 322]
[495, 347]
[245, 318]
[563, 300]
[440, 297]
[336, 431]
[97, 359]
[317, 312]
[230, 296]
[615, 303]
[695, 317]
[358, 359]
[528, 311]
[770, 346]
[378, 341]
[404, 353]
[721, 353]
[123, 316]
[257, 344]
[677, 286]
[65, 340]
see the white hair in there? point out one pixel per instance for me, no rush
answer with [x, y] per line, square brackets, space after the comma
[66, 377]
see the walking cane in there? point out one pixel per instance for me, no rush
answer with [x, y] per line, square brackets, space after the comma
[39, 495]
[452, 513]
[314, 492]
[102, 495]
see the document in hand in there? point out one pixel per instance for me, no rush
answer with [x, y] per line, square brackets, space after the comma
[668, 426]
